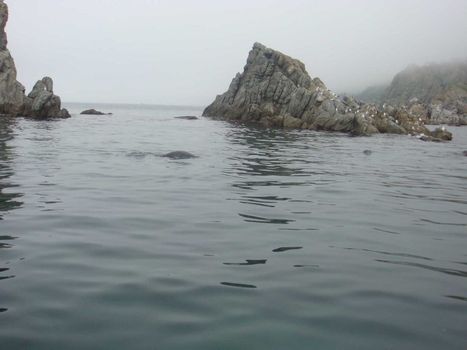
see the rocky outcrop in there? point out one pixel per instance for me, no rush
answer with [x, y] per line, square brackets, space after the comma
[275, 90]
[40, 103]
[94, 112]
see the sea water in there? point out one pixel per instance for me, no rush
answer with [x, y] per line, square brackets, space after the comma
[268, 239]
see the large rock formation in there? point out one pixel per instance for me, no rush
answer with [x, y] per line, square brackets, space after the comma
[276, 90]
[40, 103]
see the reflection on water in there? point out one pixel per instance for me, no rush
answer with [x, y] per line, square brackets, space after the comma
[239, 285]
[284, 249]
[261, 220]
[267, 163]
[8, 199]
[454, 272]
[249, 262]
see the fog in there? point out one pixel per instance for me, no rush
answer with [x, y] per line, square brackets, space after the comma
[182, 52]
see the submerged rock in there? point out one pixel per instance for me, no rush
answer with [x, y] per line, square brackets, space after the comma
[41, 101]
[187, 117]
[179, 155]
[275, 90]
[94, 112]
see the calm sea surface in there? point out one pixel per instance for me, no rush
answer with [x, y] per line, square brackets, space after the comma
[268, 240]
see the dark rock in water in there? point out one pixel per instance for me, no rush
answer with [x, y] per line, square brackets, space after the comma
[179, 155]
[249, 262]
[427, 138]
[284, 249]
[94, 112]
[312, 266]
[367, 152]
[187, 117]
[275, 90]
[438, 135]
[442, 134]
[464, 153]
[41, 102]
[238, 285]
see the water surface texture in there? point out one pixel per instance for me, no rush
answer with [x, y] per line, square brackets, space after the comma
[269, 239]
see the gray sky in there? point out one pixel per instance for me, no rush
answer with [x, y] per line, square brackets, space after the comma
[186, 52]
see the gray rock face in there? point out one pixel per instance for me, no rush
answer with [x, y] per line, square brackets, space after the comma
[40, 103]
[275, 90]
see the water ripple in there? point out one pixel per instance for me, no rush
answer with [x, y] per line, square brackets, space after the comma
[234, 250]
[453, 272]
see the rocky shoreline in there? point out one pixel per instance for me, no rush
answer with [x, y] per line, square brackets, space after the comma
[40, 103]
[436, 93]
[275, 90]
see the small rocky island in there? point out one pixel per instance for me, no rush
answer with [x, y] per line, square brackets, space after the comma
[94, 112]
[275, 90]
[40, 103]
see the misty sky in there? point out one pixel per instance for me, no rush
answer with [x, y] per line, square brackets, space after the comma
[184, 52]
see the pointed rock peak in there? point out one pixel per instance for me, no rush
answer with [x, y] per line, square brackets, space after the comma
[275, 90]
[260, 54]
[259, 46]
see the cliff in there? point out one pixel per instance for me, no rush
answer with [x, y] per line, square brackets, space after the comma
[40, 103]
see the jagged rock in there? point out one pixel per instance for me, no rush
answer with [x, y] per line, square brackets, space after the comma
[40, 103]
[275, 90]
[64, 114]
[93, 112]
